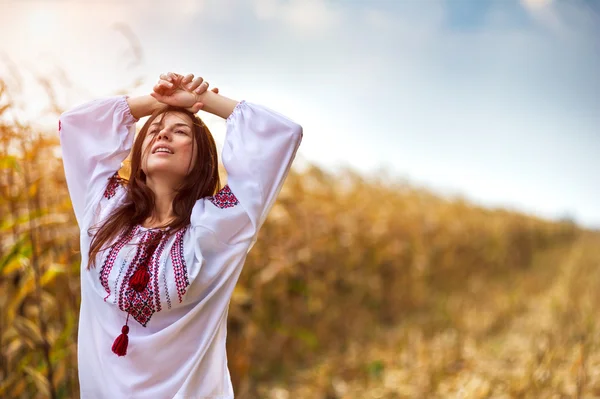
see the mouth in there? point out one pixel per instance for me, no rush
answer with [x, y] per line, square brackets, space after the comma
[162, 150]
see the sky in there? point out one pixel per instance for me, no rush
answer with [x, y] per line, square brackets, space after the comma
[496, 101]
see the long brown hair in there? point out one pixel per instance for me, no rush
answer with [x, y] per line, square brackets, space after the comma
[202, 181]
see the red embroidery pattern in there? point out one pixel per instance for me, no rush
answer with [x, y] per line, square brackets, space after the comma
[155, 272]
[111, 189]
[179, 267]
[109, 262]
[132, 266]
[59, 125]
[166, 290]
[224, 198]
[136, 294]
[140, 305]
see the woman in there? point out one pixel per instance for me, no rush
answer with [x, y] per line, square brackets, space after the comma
[162, 251]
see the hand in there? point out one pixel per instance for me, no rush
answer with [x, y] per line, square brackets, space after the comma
[179, 91]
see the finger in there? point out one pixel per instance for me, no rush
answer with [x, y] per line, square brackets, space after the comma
[165, 77]
[195, 84]
[187, 79]
[165, 84]
[175, 78]
[163, 87]
[158, 89]
[202, 88]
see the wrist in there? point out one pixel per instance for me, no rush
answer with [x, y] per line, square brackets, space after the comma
[143, 105]
[206, 98]
[217, 104]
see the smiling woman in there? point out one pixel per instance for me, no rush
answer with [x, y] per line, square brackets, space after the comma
[169, 150]
[170, 242]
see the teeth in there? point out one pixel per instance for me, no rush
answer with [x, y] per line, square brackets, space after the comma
[163, 150]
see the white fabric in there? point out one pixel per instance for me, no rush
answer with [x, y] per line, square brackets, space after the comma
[180, 353]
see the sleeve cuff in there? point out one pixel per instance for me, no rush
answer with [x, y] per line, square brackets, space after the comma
[238, 109]
[123, 106]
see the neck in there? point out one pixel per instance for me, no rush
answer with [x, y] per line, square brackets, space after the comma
[164, 195]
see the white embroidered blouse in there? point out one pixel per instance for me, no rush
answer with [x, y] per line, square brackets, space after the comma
[178, 322]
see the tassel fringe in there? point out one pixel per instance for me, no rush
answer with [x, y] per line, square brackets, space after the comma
[120, 345]
[140, 279]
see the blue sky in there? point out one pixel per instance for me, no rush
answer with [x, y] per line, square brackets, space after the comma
[494, 100]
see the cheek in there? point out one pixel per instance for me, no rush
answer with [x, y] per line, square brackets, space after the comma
[188, 150]
[189, 154]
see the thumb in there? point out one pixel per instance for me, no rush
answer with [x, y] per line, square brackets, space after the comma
[196, 107]
[156, 95]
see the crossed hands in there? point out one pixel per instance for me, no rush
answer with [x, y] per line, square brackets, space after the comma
[181, 91]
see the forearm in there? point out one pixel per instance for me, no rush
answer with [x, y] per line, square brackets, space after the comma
[217, 104]
[142, 106]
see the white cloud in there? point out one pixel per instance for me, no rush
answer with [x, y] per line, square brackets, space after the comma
[311, 15]
[266, 9]
[378, 19]
[545, 13]
[535, 4]
[190, 8]
[308, 17]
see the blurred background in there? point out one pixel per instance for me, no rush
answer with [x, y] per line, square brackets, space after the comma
[438, 237]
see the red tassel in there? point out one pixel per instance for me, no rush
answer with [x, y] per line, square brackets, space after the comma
[140, 279]
[120, 345]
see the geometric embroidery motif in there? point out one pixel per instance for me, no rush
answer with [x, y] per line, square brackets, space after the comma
[224, 198]
[140, 305]
[179, 267]
[166, 287]
[111, 187]
[155, 272]
[109, 262]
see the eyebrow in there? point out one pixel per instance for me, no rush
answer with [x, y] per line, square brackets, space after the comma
[175, 124]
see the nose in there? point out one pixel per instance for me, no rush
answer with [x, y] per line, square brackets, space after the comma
[162, 134]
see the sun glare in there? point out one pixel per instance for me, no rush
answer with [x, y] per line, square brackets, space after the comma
[535, 4]
[41, 22]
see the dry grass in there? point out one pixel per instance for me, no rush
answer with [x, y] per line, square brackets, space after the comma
[534, 335]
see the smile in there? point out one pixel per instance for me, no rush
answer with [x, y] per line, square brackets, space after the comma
[163, 150]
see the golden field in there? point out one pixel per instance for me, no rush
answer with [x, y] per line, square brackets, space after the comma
[358, 287]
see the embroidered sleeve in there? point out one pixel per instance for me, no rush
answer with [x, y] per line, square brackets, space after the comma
[224, 198]
[259, 148]
[95, 138]
[112, 185]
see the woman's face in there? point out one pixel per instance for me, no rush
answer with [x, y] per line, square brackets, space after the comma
[173, 153]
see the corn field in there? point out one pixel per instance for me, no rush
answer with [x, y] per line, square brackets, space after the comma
[358, 287]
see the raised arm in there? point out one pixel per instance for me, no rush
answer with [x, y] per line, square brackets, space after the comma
[143, 106]
[95, 138]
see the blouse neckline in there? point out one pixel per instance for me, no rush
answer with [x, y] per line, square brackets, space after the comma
[153, 228]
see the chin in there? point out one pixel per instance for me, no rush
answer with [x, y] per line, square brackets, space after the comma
[164, 170]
